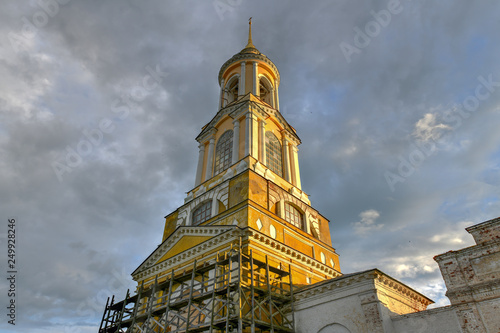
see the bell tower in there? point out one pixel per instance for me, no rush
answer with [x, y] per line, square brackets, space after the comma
[246, 234]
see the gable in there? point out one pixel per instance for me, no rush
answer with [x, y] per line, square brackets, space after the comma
[183, 244]
[182, 239]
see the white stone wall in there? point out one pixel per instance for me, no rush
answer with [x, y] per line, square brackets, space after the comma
[439, 320]
[357, 303]
[373, 302]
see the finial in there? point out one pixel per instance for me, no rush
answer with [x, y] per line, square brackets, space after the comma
[250, 44]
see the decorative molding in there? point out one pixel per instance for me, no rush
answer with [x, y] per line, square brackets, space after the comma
[291, 253]
[259, 224]
[242, 166]
[250, 56]
[219, 235]
[472, 251]
[276, 194]
[356, 278]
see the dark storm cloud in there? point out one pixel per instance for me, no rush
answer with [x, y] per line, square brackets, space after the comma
[80, 237]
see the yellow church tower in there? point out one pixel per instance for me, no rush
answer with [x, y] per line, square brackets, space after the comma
[246, 236]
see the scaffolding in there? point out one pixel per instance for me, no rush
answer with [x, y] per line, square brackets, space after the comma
[233, 293]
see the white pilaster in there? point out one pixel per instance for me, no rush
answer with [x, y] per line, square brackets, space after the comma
[277, 99]
[241, 84]
[307, 223]
[254, 147]
[262, 142]
[215, 207]
[210, 158]
[236, 141]
[286, 159]
[199, 169]
[281, 206]
[295, 166]
[255, 89]
[221, 97]
[248, 133]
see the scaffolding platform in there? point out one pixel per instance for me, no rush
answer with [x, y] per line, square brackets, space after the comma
[233, 293]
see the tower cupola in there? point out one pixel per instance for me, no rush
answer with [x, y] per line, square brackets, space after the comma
[249, 71]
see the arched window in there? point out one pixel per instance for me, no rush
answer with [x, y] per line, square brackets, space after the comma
[273, 154]
[202, 213]
[223, 152]
[232, 89]
[294, 216]
[265, 90]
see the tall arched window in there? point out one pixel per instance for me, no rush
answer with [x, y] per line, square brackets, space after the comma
[202, 213]
[265, 89]
[294, 216]
[232, 89]
[223, 152]
[273, 154]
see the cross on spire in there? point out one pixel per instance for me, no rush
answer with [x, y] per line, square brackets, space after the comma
[250, 44]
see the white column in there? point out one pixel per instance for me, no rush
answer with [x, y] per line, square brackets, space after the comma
[286, 159]
[277, 99]
[307, 222]
[210, 159]
[262, 142]
[241, 84]
[221, 97]
[281, 212]
[295, 166]
[236, 141]
[215, 207]
[248, 132]
[255, 90]
[199, 169]
[273, 98]
[254, 147]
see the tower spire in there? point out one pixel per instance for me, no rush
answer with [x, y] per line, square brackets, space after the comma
[250, 44]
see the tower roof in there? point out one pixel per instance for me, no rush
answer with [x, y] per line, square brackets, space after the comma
[249, 52]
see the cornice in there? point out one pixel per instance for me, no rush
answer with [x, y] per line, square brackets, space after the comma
[367, 276]
[219, 234]
[400, 288]
[244, 56]
[468, 251]
[483, 225]
[291, 253]
[474, 292]
[228, 110]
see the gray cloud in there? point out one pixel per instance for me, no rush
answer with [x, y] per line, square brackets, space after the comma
[80, 237]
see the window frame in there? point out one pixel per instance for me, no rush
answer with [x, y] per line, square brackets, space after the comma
[272, 149]
[297, 219]
[205, 209]
[224, 149]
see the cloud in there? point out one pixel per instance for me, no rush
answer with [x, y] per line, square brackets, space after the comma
[427, 129]
[367, 223]
[355, 120]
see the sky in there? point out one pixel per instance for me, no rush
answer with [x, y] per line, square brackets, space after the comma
[397, 104]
